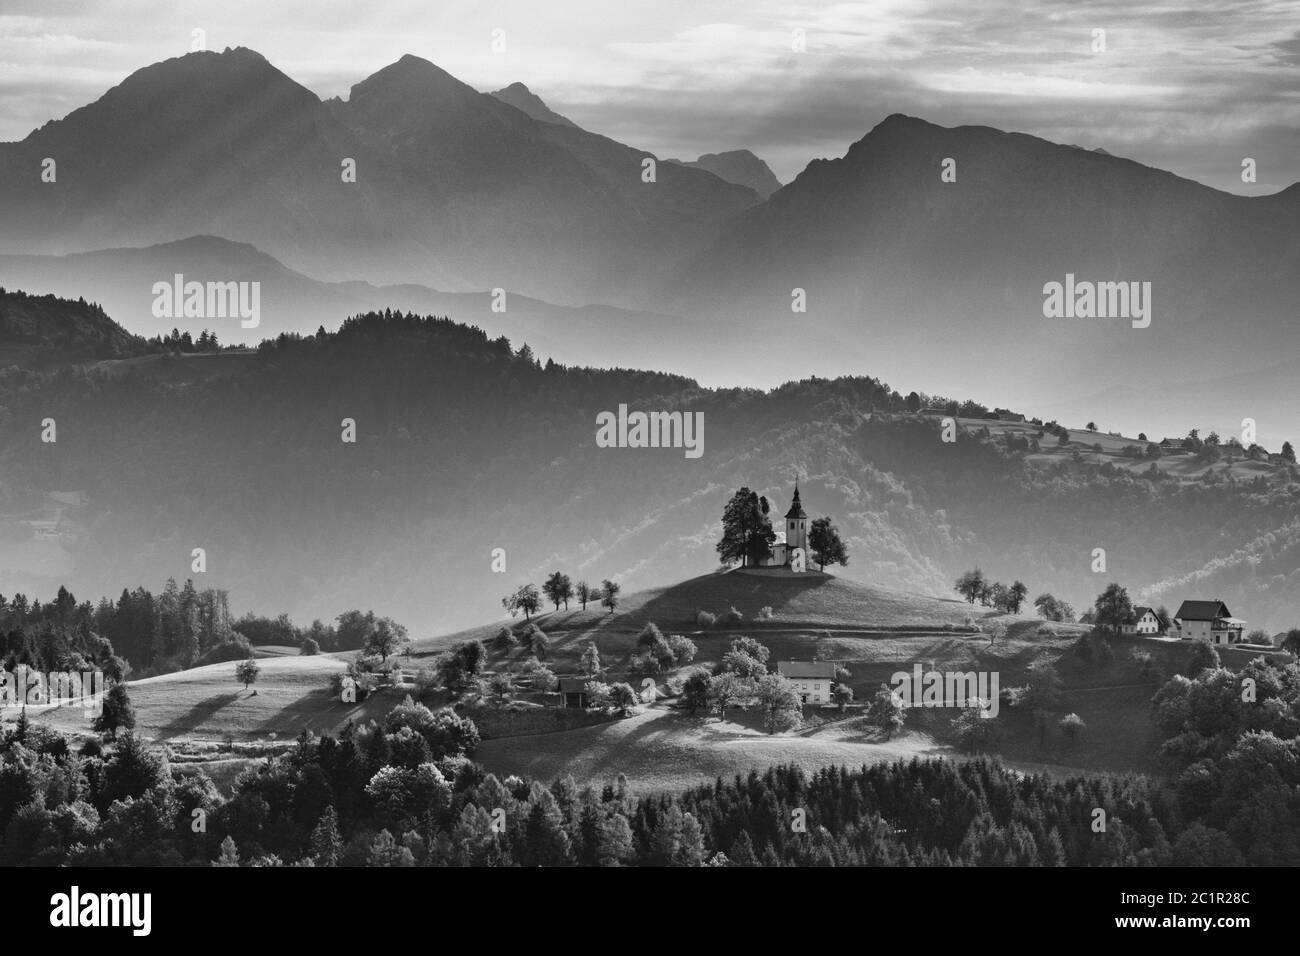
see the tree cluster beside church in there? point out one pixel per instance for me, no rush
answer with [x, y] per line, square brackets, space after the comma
[749, 538]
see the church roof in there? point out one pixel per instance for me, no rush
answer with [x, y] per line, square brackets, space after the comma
[796, 509]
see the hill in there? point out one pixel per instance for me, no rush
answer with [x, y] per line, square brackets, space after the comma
[497, 450]
[42, 329]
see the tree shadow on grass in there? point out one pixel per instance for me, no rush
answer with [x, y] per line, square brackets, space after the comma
[198, 715]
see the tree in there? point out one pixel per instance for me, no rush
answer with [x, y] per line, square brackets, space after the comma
[558, 589]
[309, 647]
[696, 690]
[886, 711]
[1072, 725]
[747, 534]
[1091, 426]
[779, 702]
[326, 843]
[622, 696]
[1291, 642]
[1113, 607]
[502, 687]
[229, 854]
[1053, 609]
[615, 843]
[825, 543]
[727, 688]
[972, 585]
[1044, 689]
[583, 592]
[1202, 657]
[972, 728]
[842, 694]
[385, 638]
[526, 599]
[1013, 597]
[609, 594]
[590, 660]
[1288, 453]
[116, 713]
[246, 672]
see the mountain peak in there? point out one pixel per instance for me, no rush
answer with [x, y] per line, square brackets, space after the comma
[739, 166]
[530, 104]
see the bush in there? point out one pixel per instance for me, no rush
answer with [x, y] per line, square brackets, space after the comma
[764, 613]
[705, 619]
[732, 616]
[683, 649]
[649, 636]
[310, 647]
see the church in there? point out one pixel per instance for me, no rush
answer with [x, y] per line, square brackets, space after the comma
[790, 550]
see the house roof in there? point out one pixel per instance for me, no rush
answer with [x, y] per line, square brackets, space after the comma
[573, 685]
[799, 669]
[1202, 611]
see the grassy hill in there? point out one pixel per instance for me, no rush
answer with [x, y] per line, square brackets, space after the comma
[874, 632]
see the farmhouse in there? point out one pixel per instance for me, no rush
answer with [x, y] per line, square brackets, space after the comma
[573, 692]
[791, 546]
[1208, 621]
[1144, 621]
[812, 679]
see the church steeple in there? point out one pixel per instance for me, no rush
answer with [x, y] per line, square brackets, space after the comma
[796, 509]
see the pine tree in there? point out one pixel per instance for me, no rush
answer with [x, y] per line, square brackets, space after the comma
[326, 844]
[229, 853]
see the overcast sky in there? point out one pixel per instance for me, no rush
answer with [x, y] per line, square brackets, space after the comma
[1190, 92]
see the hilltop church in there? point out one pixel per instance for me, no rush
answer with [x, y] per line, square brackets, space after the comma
[790, 550]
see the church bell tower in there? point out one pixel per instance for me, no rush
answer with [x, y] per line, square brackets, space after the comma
[796, 523]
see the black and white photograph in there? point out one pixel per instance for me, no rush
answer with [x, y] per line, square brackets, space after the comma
[693, 434]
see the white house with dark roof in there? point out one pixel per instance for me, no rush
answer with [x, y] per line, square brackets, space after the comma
[1208, 621]
[1144, 621]
[813, 680]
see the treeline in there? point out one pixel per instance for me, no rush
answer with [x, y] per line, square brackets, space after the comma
[144, 633]
[405, 792]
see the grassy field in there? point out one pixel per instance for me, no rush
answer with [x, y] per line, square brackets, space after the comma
[208, 704]
[873, 632]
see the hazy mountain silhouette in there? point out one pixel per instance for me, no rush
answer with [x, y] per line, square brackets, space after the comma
[453, 187]
[738, 166]
[946, 278]
[526, 101]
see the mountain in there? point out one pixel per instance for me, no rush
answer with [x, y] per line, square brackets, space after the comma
[122, 281]
[946, 279]
[464, 446]
[528, 102]
[453, 188]
[738, 166]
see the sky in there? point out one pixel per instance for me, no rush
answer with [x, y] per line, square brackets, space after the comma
[1195, 92]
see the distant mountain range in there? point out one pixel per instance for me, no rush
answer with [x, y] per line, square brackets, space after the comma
[924, 251]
